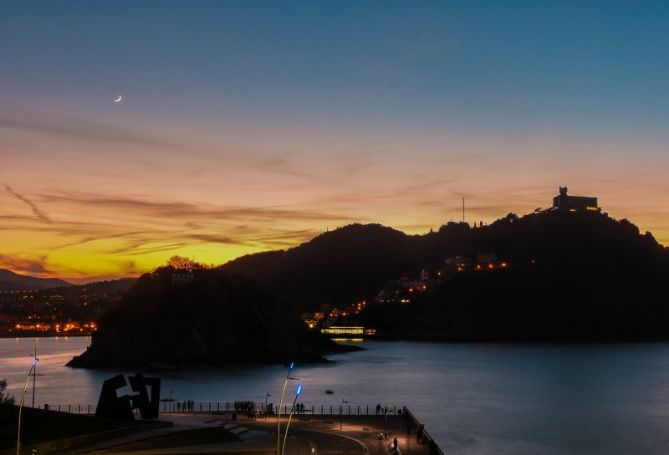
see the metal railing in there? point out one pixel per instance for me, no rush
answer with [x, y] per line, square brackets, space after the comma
[422, 436]
[259, 408]
[69, 408]
[253, 410]
[243, 407]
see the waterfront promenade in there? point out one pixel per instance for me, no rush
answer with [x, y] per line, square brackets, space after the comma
[308, 435]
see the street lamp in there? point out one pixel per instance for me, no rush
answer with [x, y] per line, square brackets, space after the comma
[23, 396]
[266, 396]
[278, 415]
[34, 378]
[298, 391]
[341, 414]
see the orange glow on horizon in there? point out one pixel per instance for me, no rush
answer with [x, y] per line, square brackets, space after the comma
[83, 219]
[166, 130]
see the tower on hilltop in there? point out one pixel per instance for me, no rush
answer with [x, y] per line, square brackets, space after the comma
[565, 203]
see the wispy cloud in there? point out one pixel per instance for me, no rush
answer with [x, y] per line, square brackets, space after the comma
[186, 211]
[417, 191]
[281, 164]
[124, 227]
[136, 250]
[80, 129]
[107, 236]
[36, 210]
[19, 264]
[286, 239]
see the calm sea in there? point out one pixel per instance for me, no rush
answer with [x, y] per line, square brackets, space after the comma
[473, 398]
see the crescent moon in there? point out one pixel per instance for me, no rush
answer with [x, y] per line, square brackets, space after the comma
[118, 98]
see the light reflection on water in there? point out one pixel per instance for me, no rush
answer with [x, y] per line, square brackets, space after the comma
[473, 398]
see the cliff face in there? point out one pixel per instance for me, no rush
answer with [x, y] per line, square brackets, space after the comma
[214, 319]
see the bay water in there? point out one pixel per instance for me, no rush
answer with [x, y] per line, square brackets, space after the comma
[474, 398]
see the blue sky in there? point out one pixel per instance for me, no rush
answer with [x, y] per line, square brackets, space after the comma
[472, 64]
[329, 112]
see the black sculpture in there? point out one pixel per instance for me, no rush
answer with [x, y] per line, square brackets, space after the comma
[112, 406]
[148, 407]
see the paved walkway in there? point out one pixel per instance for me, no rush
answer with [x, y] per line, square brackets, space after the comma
[317, 435]
[357, 435]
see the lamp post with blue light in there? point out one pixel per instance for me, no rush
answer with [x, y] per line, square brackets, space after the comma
[278, 414]
[23, 396]
[298, 392]
[341, 414]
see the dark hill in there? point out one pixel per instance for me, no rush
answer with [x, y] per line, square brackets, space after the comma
[10, 281]
[217, 318]
[571, 276]
[334, 267]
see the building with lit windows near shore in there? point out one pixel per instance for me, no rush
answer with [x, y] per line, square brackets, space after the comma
[565, 203]
[348, 331]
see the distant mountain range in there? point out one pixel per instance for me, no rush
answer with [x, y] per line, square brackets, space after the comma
[10, 281]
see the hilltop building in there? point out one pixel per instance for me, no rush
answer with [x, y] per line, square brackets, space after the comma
[565, 203]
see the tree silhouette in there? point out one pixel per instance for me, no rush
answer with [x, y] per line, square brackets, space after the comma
[183, 263]
[4, 398]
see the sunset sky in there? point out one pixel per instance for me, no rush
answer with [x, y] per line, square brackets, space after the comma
[254, 125]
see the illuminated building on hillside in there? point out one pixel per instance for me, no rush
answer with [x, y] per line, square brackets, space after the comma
[458, 264]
